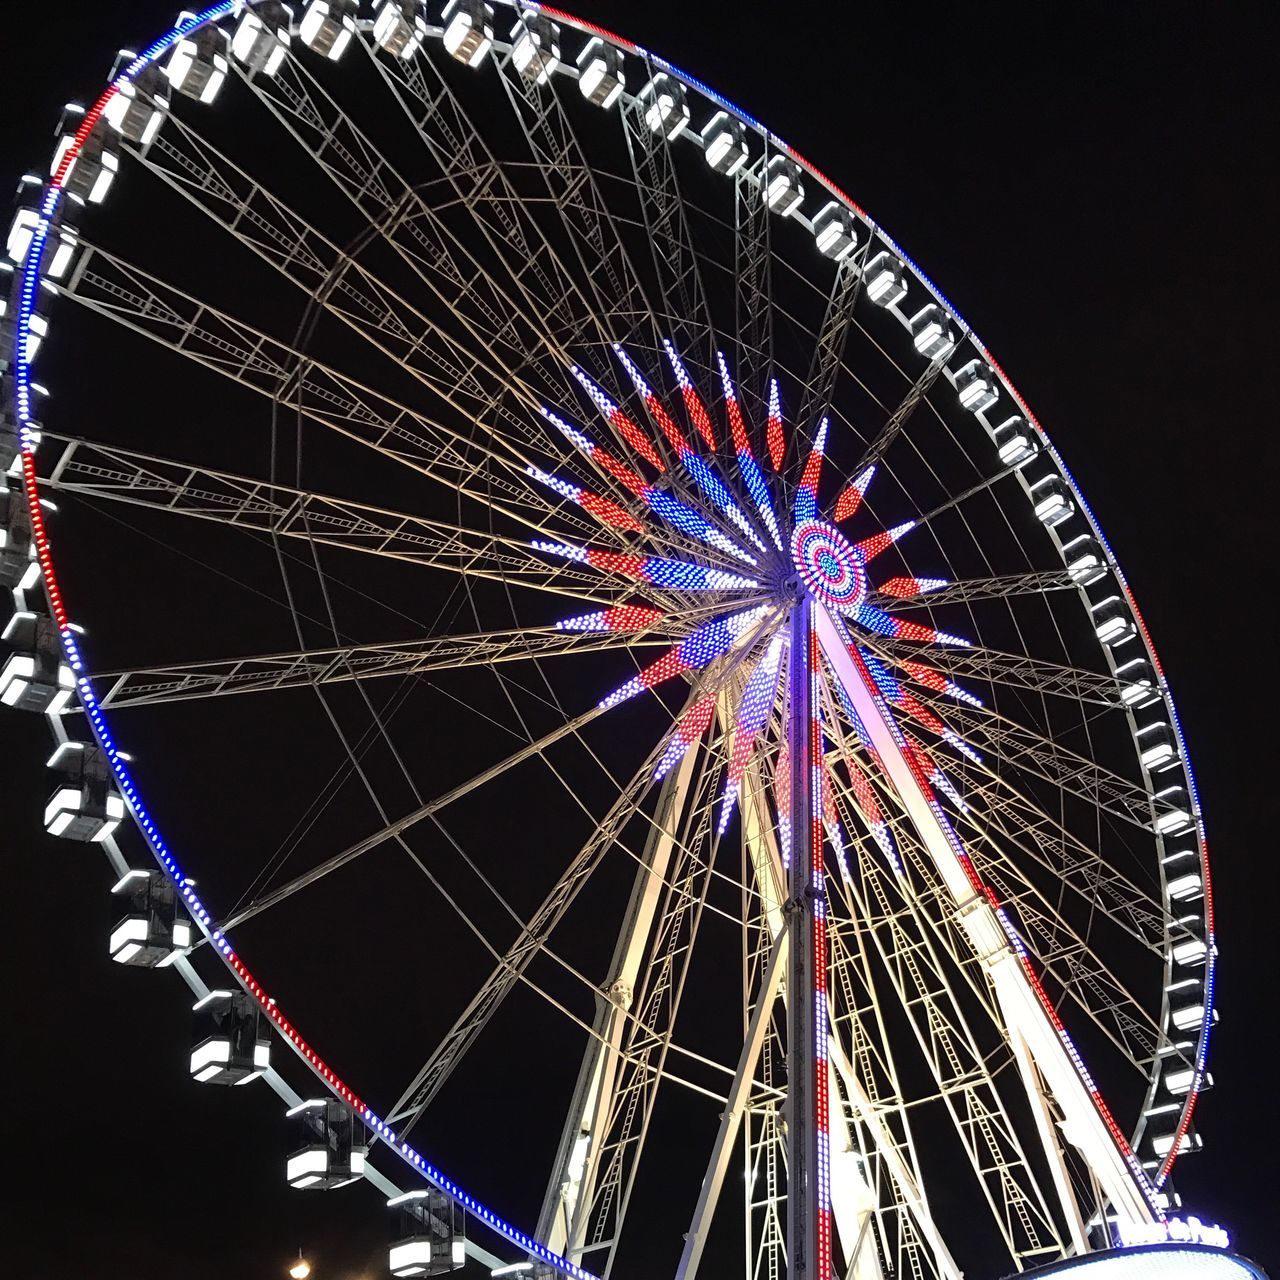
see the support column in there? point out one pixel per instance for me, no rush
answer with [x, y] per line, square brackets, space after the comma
[808, 1139]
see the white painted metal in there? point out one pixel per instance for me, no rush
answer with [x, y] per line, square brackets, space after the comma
[1083, 1126]
[562, 1222]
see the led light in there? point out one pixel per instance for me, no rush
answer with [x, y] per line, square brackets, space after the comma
[400, 27]
[883, 280]
[806, 499]
[1175, 1264]
[828, 565]
[700, 647]
[665, 106]
[1162, 1143]
[535, 47]
[724, 142]
[781, 188]
[909, 588]
[690, 728]
[627, 617]
[1192, 951]
[209, 1058]
[1186, 887]
[835, 231]
[752, 475]
[754, 709]
[468, 30]
[410, 1258]
[878, 543]
[931, 333]
[327, 27]
[1086, 562]
[306, 1168]
[600, 74]
[1051, 501]
[976, 385]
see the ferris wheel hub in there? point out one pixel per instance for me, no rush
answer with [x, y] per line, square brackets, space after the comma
[829, 565]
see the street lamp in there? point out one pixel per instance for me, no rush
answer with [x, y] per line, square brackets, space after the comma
[300, 1269]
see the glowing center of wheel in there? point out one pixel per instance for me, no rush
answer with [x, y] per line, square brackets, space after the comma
[828, 565]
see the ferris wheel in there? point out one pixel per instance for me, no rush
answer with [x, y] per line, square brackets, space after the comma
[650, 605]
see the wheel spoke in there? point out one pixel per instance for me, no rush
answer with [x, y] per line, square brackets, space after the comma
[145, 686]
[103, 473]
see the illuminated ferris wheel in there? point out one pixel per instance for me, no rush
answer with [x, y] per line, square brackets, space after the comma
[612, 535]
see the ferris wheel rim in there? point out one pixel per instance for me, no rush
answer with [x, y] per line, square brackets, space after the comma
[243, 976]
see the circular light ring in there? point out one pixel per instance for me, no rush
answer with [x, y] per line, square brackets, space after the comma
[22, 403]
[829, 565]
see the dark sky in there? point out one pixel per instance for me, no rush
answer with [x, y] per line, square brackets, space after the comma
[1095, 187]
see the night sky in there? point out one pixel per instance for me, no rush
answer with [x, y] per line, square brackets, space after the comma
[1095, 188]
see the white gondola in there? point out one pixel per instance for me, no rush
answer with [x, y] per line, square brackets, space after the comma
[400, 27]
[328, 1147]
[931, 332]
[884, 280]
[327, 27]
[138, 107]
[835, 231]
[1086, 561]
[1112, 622]
[1186, 888]
[153, 932]
[724, 143]
[198, 65]
[233, 1044]
[1173, 811]
[665, 105]
[1157, 745]
[89, 176]
[61, 241]
[261, 38]
[976, 386]
[1180, 1080]
[1186, 1003]
[427, 1237]
[600, 74]
[781, 188]
[535, 47]
[19, 568]
[1016, 442]
[37, 325]
[468, 31]
[1138, 687]
[36, 676]
[1162, 1144]
[1051, 501]
[85, 805]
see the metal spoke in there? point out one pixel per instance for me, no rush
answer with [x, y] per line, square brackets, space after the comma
[973, 589]
[100, 472]
[1014, 670]
[146, 686]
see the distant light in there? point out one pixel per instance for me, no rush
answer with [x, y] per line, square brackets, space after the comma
[300, 1269]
